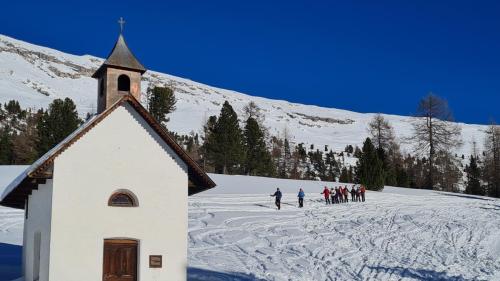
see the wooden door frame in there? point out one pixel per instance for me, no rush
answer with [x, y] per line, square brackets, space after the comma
[122, 241]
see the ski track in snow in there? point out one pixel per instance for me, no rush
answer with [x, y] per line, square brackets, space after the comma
[389, 237]
[398, 234]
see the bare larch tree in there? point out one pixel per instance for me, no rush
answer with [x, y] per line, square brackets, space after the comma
[381, 132]
[434, 130]
[254, 111]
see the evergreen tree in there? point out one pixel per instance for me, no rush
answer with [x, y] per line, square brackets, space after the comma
[24, 142]
[17, 135]
[161, 102]
[393, 166]
[402, 179]
[349, 149]
[283, 156]
[297, 163]
[208, 142]
[224, 146]
[318, 163]
[344, 176]
[473, 178]
[5, 146]
[55, 124]
[491, 166]
[357, 152]
[258, 159]
[390, 176]
[369, 170]
[447, 171]
[287, 157]
[350, 175]
[13, 109]
[302, 152]
[309, 174]
[332, 167]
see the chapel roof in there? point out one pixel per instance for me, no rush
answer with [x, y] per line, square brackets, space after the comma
[21, 187]
[121, 57]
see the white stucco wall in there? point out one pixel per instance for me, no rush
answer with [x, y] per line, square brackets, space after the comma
[39, 220]
[121, 152]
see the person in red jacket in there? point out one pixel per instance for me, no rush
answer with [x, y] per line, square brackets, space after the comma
[363, 189]
[326, 193]
[346, 194]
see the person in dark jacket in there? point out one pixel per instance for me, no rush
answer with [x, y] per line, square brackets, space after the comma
[332, 195]
[346, 194]
[326, 193]
[301, 196]
[353, 194]
[277, 195]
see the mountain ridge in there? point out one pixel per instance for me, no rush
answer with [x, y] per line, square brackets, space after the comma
[35, 75]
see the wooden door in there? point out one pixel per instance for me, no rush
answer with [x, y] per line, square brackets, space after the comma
[120, 260]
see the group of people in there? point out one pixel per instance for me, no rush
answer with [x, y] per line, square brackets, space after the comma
[337, 195]
[340, 194]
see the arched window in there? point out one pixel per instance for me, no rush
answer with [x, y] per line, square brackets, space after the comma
[123, 83]
[123, 199]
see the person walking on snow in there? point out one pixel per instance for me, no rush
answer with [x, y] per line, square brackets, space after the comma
[362, 191]
[332, 195]
[358, 194]
[339, 195]
[353, 194]
[277, 196]
[346, 194]
[326, 193]
[301, 196]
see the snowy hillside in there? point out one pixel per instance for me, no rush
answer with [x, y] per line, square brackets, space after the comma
[235, 233]
[36, 75]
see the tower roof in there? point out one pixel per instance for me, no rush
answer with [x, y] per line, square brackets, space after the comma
[121, 57]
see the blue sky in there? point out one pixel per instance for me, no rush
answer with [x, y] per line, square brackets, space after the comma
[357, 55]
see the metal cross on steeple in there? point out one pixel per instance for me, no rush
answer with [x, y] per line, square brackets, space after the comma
[122, 23]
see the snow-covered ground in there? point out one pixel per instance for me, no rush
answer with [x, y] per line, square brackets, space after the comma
[398, 234]
[235, 233]
[36, 75]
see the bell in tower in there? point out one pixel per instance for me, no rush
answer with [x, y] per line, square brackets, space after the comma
[119, 75]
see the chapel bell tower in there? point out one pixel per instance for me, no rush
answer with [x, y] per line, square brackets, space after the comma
[119, 75]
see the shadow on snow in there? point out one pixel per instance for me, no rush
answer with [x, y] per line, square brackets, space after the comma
[466, 196]
[418, 274]
[10, 261]
[199, 274]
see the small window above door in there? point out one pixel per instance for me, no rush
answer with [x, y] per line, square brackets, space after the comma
[122, 199]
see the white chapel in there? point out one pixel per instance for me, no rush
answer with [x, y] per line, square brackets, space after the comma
[110, 202]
